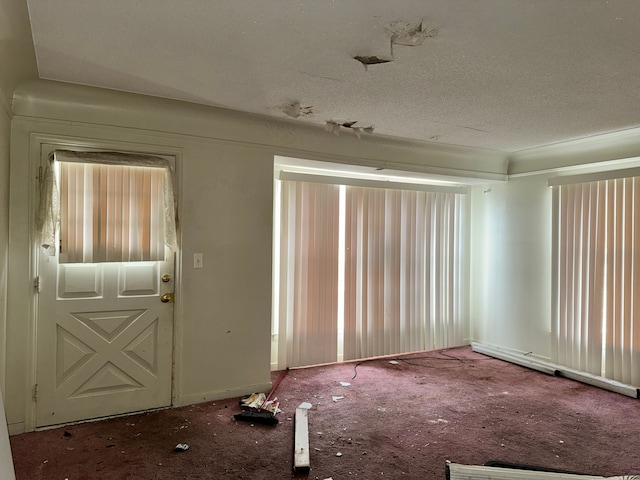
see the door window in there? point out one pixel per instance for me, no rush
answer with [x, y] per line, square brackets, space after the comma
[108, 207]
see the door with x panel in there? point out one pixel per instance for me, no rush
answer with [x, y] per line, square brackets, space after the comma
[104, 337]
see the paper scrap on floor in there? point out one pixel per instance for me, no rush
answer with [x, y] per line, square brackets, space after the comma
[256, 401]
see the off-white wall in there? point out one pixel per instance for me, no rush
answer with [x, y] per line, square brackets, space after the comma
[511, 264]
[226, 306]
[17, 58]
[225, 187]
[5, 134]
[18, 64]
[6, 462]
[17, 55]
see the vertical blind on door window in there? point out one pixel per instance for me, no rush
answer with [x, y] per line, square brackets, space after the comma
[596, 328]
[110, 213]
[366, 271]
[107, 207]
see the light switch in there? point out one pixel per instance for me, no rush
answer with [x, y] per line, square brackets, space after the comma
[197, 260]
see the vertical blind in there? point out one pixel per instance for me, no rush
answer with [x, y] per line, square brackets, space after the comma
[107, 207]
[597, 329]
[398, 287]
[110, 213]
[308, 299]
[403, 271]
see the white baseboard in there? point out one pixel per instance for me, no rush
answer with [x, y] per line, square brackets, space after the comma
[220, 394]
[514, 356]
[16, 428]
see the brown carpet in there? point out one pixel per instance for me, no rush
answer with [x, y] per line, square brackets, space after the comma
[399, 420]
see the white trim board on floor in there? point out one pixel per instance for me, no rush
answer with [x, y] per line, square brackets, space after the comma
[549, 368]
[456, 471]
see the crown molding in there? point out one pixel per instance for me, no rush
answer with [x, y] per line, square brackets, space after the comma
[598, 149]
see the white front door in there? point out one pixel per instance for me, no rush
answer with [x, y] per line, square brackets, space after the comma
[104, 335]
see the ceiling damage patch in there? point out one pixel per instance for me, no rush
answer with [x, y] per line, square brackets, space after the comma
[370, 60]
[403, 33]
[296, 110]
[334, 127]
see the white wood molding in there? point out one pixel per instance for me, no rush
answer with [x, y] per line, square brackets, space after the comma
[220, 394]
[536, 363]
[614, 146]
[75, 103]
[457, 471]
[5, 102]
[301, 459]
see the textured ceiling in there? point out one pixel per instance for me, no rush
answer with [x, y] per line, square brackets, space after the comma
[498, 74]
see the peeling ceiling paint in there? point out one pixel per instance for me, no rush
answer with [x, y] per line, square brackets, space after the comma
[334, 127]
[295, 110]
[411, 36]
[370, 60]
[496, 74]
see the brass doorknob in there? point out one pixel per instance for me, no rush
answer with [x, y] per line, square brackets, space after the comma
[165, 278]
[166, 298]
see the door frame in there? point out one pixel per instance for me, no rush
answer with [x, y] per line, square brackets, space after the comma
[39, 145]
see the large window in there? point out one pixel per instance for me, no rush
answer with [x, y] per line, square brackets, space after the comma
[365, 271]
[596, 325]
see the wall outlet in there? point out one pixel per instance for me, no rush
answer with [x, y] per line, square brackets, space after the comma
[198, 260]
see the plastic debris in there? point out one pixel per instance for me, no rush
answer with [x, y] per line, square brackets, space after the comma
[345, 384]
[339, 454]
[337, 398]
[305, 405]
[394, 362]
[181, 447]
